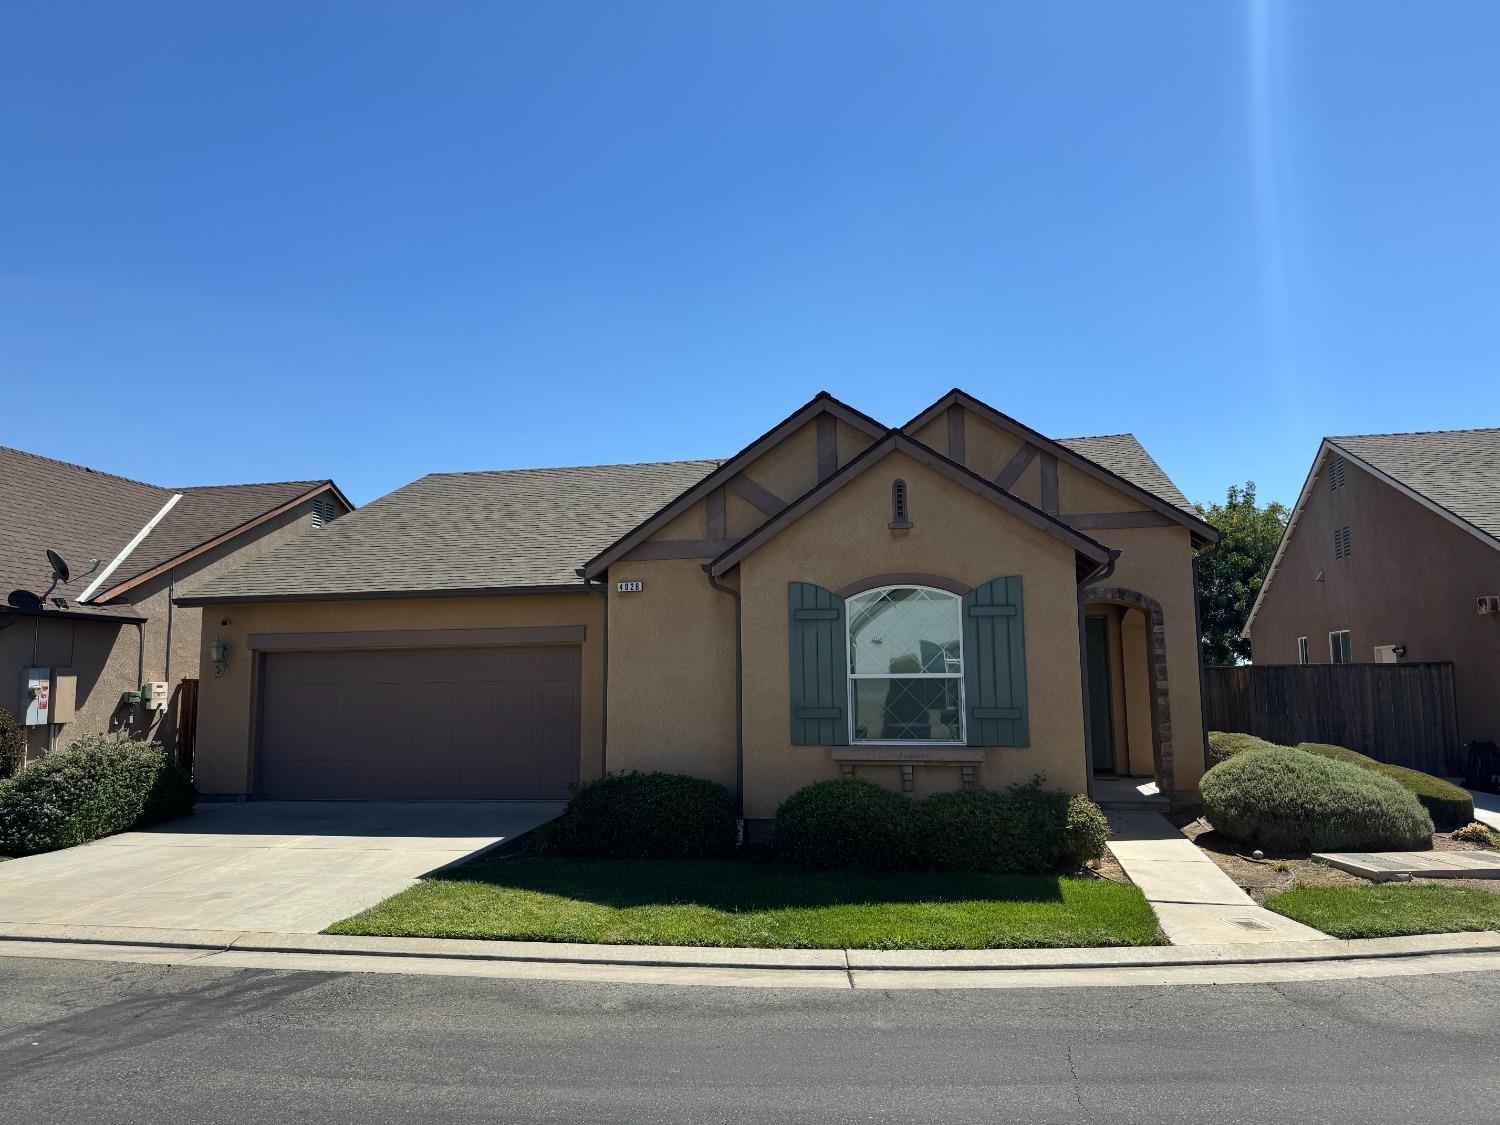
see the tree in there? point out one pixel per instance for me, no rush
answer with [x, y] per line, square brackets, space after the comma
[1230, 572]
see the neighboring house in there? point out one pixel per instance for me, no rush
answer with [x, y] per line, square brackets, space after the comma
[1393, 554]
[910, 603]
[128, 547]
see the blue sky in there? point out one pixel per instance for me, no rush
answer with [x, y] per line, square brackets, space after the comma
[273, 241]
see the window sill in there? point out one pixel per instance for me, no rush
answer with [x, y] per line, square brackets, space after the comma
[875, 754]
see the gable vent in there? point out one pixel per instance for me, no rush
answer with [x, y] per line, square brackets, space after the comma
[1342, 548]
[324, 510]
[1336, 474]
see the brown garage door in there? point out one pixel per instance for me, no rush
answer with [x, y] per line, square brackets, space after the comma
[433, 724]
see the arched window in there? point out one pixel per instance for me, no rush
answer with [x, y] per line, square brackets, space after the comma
[906, 666]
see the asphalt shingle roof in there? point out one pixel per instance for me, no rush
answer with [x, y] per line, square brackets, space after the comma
[1456, 469]
[1124, 456]
[85, 514]
[464, 532]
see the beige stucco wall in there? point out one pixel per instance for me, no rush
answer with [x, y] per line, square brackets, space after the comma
[672, 676]
[226, 707]
[107, 655]
[845, 539]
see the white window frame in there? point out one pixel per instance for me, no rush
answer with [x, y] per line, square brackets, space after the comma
[850, 676]
[1301, 650]
[1335, 648]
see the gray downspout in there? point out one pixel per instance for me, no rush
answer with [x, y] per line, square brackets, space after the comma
[739, 698]
[171, 593]
[1198, 635]
[1083, 672]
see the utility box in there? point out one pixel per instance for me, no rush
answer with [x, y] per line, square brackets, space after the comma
[36, 696]
[64, 694]
[156, 694]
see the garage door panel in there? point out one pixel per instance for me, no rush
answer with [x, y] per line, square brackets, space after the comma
[473, 723]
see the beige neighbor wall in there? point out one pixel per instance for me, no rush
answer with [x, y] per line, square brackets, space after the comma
[107, 655]
[956, 534]
[227, 702]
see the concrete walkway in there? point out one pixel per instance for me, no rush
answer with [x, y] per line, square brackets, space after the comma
[1196, 903]
[271, 866]
[1486, 808]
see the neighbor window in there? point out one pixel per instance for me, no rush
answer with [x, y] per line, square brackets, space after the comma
[1338, 647]
[906, 666]
[1301, 650]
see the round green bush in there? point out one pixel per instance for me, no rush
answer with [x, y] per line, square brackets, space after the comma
[100, 785]
[644, 816]
[851, 822]
[1086, 831]
[1286, 800]
[1223, 745]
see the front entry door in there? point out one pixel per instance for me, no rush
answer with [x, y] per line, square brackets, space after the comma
[1101, 726]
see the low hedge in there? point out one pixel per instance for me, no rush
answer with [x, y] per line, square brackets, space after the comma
[851, 822]
[1286, 800]
[643, 816]
[854, 823]
[1449, 805]
[99, 785]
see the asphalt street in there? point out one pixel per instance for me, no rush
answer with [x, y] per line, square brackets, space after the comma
[120, 1043]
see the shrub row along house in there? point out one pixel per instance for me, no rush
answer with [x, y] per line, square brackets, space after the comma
[1392, 554]
[76, 651]
[923, 605]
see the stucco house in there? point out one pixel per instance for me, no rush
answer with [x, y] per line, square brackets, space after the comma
[924, 605]
[1392, 554]
[75, 652]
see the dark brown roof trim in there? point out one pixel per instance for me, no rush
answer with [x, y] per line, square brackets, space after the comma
[83, 614]
[1203, 532]
[821, 403]
[209, 544]
[383, 595]
[1094, 552]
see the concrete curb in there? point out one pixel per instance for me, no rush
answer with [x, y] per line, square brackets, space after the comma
[914, 961]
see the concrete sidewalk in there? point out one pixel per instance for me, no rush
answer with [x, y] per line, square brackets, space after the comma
[1196, 903]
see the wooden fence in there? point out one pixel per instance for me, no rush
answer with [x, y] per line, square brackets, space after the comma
[187, 722]
[1405, 714]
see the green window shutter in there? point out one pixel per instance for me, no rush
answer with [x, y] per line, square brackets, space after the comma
[995, 664]
[819, 666]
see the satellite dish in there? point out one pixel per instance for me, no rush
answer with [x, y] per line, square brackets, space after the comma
[59, 568]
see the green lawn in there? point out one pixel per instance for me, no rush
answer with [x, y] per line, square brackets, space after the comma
[741, 903]
[1390, 909]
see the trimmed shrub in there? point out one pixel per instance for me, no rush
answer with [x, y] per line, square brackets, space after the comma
[1287, 800]
[643, 816]
[1086, 831]
[12, 745]
[1021, 830]
[851, 822]
[1449, 805]
[1223, 745]
[99, 785]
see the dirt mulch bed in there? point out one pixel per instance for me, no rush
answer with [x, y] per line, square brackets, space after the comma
[1264, 877]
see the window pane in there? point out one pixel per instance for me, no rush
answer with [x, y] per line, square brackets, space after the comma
[906, 710]
[905, 630]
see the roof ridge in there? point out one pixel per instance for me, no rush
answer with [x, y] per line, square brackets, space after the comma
[1418, 433]
[1096, 437]
[250, 484]
[566, 468]
[84, 468]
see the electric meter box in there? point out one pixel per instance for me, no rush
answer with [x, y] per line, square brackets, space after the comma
[155, 694]
[36, 696]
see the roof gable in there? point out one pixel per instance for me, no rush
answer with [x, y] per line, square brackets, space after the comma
[1090, 553]
[1460, 466]
[822, 405]
[1118, 460]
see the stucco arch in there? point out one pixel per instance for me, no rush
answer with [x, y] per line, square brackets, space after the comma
[1156, 651]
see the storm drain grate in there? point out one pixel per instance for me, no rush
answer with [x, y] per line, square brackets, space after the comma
[1248, 923]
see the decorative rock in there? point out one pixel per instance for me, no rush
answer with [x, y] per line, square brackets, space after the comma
[1257, 854]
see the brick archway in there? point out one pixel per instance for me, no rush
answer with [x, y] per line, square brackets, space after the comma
[1156, 651]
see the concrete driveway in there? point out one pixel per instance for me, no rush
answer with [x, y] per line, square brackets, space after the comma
[267, 866]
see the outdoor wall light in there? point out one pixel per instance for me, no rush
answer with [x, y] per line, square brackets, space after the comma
[218, 652]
